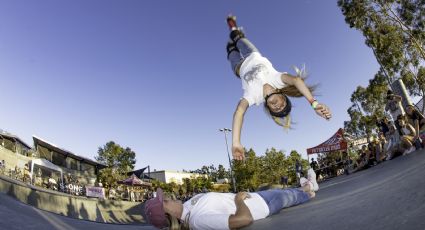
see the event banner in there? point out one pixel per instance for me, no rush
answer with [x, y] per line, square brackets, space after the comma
[95, 192]
[335, 143]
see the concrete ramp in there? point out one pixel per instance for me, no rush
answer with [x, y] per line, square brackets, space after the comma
[91, 209]
[16, 215]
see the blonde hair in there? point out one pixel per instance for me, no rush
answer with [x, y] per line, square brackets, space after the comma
[291, 91]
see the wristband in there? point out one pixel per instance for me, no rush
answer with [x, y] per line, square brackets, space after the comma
[314, 104]
[311, 100]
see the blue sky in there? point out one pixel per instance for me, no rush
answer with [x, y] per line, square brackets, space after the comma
[153, 75]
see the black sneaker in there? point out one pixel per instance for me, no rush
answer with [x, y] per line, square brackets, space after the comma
[231, 22]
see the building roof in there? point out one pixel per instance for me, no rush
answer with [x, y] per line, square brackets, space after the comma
[15, 138]
[48, 145]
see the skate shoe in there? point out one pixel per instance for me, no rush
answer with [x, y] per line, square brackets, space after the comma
[311, 176]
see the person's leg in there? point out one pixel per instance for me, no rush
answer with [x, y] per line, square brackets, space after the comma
[238, 37]
[405, 144]
[234, 57]
[244, 45]
[278, 199]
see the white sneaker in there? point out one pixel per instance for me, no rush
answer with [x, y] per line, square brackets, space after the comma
[407, 151]
[304, 182]
[311, 176]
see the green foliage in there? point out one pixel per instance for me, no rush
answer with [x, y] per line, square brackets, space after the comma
[265, 170]
[367, 105]
[395, 32]
[118, 160]
[221, 172]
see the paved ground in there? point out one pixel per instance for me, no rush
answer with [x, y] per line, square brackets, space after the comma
[388, 196]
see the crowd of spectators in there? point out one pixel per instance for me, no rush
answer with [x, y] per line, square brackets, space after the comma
[327, 167]
[399, 134]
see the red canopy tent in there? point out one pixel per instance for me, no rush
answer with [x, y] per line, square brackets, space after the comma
[133, 180]
[335, 143]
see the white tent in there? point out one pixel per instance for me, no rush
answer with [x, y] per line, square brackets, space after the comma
[47, 164]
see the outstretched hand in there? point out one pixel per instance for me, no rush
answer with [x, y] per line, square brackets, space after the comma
[240, 196]
[323, 111]
[238, 152]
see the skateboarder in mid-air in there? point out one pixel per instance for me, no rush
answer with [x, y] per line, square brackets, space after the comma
[263, 84]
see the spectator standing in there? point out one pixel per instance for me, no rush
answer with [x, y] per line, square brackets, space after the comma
[284, 181]
[314, 164]
[378, 150]
[298, 170]
[394, 107]
[26, 174]
[383, 125]
[2, 167]
[99, 183]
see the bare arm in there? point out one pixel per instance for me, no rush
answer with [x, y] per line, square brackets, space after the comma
[242, 216]
[299, 83]
[412, 130]
[321, 109]
[237, 148]
[416, 128]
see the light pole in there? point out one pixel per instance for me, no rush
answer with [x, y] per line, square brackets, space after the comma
[225, 131]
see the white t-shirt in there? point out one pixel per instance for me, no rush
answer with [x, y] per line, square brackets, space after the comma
[395, 108]
[212, 210]
[255, 72]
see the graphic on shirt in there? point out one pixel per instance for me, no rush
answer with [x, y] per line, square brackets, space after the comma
[250, 75]
[195, 199]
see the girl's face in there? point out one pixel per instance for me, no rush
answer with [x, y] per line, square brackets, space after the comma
[401, 122]
[276, 103]
[409, 110]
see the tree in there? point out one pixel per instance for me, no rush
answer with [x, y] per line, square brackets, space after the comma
[222, 172]
[394, 30]
[367, 105]
[246, 172]
[118, 161]
[272, 166]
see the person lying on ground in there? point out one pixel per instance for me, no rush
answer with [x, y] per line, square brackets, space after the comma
[226, 210]
[262, 84]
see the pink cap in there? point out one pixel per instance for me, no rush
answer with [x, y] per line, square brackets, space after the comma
[154, 210]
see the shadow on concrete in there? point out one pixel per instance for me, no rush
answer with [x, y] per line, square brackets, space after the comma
[137, 211]
[71, 212]
[99, 216]
[83, 212]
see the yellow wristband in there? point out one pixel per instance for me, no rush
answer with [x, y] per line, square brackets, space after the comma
[314, 104]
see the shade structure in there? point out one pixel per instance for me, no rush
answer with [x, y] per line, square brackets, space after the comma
[335, 143]
[46, 164]
[133, 180]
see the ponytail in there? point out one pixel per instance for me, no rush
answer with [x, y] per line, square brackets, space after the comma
[291, 90]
